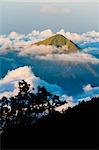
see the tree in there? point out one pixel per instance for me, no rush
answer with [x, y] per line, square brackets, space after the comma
[27, 107]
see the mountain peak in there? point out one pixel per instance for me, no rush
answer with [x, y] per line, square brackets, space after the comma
[60, 41]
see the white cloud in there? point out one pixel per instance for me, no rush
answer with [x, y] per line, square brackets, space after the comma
[91, 36]
[89, 92]
[79, 57]
[34, 33]
[46, 33]
[52, 9]
[65, 106]
[35, 50]
[9, 84]
[13, 35]
[87, 87]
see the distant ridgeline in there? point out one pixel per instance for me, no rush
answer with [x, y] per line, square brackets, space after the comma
[60, 41]
[23, 127]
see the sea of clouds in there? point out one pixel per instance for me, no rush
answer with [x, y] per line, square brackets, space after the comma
[17, 40]
[24, 45]
[9, 84]
[9, 87]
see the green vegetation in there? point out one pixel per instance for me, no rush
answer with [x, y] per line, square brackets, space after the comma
[60, 42]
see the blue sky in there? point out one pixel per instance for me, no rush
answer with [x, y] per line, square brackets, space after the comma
[24, 16]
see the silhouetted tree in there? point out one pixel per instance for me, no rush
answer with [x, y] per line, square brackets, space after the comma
[79, 123]
[27, 107]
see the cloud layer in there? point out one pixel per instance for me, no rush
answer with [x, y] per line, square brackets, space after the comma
[54, 10]
[79, 57]
[15, 40]
[9, 84]
[89, 92]
[24, 45]
[9, 87]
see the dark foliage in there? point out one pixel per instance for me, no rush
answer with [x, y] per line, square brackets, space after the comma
[27, 107]
[77, 127]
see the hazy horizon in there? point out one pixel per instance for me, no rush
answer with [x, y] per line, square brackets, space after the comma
[27, 16]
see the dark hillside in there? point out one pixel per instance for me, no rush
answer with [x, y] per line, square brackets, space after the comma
[77, 127]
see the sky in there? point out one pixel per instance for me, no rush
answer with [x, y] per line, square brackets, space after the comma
[71, 15]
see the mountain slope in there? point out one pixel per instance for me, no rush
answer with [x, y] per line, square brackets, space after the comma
[60, 42]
